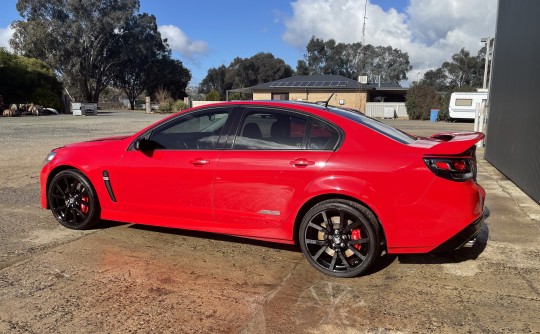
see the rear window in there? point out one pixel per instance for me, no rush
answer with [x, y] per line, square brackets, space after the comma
[378, 126]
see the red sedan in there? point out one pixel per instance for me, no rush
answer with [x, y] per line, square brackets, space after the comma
[343, 186]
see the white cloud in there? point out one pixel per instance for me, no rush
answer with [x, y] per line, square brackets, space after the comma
[179, 42]
[5, 36]
[431, 31]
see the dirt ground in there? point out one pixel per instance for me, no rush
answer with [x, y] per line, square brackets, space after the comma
[122, 278]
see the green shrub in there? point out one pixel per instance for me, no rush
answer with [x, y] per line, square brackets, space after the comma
[444, 114]
[165, 107]
[420, 100]
[27, 80]
[238, 97]
[170, 106]
[212, 96]
[46, 98]
[179, 105]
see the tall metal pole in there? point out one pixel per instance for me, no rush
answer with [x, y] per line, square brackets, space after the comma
[486, 65]
[364, 26]
[481, 114]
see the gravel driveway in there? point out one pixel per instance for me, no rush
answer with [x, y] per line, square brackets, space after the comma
[134, 279]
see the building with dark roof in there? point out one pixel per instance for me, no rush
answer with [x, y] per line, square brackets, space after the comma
[312, 88]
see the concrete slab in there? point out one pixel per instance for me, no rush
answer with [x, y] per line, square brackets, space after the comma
[125, 278]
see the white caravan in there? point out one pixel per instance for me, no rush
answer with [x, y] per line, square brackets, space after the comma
[463, 104]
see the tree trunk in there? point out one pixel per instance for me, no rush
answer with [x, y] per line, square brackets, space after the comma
[86, 91]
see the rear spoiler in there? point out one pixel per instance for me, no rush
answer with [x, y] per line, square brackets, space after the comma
[454, 142]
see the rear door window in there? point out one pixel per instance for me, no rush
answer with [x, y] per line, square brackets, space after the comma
[269, 129]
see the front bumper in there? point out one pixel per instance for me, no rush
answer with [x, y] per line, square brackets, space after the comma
[43, 176]
[465, 238]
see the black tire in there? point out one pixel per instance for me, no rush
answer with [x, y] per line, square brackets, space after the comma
[340, 238]
[73, 200]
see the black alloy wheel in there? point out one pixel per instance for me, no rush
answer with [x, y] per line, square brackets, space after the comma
[72, 200]
[340, 238]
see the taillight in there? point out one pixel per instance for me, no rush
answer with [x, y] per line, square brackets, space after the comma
[455, 168]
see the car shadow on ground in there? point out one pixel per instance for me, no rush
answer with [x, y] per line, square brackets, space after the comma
[218, 237]
[105, 224]
[385, 260]
[461, 120]
[456, 256]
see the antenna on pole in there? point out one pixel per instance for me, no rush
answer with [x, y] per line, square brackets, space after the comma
[364, 26]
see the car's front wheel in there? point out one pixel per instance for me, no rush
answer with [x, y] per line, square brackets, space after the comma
[340, 238]
[72, 200]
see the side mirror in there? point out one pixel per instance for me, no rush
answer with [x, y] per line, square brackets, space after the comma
[143, 145]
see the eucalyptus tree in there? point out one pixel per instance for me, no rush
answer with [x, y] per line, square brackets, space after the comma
[436, 78]
[141, 47]
[245, 72]
[169, 75]
[79, 39]
[215, 81]
[259, 68]
[354, 59]
[464, 69]
[462, 72]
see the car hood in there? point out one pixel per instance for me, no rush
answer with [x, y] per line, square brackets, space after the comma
[95, 142]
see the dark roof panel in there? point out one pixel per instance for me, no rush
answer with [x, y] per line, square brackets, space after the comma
[320, 81]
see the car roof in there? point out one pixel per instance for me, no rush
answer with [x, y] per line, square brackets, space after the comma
[274, 103]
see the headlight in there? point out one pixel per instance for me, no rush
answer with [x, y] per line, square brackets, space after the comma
[50, 157]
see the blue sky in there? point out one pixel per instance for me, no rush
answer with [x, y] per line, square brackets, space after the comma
[209, 33]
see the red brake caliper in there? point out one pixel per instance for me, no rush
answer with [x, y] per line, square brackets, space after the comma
[355, 235]
[84, 207]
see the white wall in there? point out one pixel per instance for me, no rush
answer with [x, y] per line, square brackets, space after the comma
[376, 109]
[202, 103]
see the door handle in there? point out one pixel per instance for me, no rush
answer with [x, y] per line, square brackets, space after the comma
[200, 162]
[301, 162]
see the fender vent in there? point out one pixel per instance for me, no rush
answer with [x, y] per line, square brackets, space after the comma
[108, 185]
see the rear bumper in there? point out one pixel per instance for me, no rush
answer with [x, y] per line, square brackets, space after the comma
[466, 237]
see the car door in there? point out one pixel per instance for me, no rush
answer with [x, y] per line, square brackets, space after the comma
[268, 166]
[167, 176]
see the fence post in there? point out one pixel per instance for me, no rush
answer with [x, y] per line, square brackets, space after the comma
[148, 106]
[479, 120]
[476, 117]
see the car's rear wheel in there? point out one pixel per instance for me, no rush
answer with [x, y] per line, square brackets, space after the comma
[340, 238]
[73, 201]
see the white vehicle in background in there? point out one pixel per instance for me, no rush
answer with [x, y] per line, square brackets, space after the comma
[463, 104]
